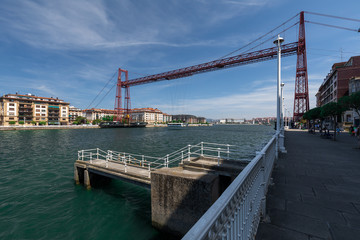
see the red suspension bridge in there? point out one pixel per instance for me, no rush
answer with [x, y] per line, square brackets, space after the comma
[301, 96]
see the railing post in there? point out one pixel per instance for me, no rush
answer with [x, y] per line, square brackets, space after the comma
[228, 151]
[182, 157]
[111, 155]
[107, 161]
[202, 149]
[82, 155]
[142, 160]
[129, 159]
[97, 153]
[125, 165]
[189, 152]
[218, 156]
[90, 157]
[167, 160]
[78, 155]
[149, 170]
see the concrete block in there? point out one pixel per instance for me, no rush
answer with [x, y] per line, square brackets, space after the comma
[180, 197]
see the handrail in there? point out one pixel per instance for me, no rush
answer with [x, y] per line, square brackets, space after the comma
[202, 149]
[236, 213]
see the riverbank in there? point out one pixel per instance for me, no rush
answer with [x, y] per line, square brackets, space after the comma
[9, 128]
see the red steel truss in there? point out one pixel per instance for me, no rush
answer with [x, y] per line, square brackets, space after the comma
[242, 59]
[301, 98]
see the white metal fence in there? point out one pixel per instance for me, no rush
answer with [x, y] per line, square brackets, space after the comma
[203, 149]
[236, 213]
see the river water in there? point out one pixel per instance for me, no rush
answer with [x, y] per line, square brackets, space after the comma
[39, 199]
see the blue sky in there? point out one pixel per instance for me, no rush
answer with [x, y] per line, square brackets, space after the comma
[71, 49]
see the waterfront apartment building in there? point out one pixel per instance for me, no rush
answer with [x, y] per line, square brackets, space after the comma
[29, 109]
[150, 115]
[336, 83]
[342, 77]
[74, 112]
[186, 118]
[95, 113]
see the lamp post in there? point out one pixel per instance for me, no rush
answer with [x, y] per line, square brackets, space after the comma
[280, 139]
[278, 42]
[282, 124]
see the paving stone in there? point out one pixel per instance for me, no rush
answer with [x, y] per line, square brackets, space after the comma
[353, 220]
[340, 232]
[272, 232]
[299, 223]
[316, 195]
[317, 212]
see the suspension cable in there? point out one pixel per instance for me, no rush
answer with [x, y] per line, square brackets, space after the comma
[101, 90]
[105, 95]
[332, 16]
[259, 37]
[333, 26]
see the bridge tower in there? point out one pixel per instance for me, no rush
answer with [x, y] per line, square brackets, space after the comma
[301, 98]
[120, 112]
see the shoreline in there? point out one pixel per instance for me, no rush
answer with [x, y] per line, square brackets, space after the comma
[12, 128]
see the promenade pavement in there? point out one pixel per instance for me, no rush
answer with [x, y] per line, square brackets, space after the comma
[316, 190]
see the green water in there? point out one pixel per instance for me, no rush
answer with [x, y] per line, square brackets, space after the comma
[38, 197]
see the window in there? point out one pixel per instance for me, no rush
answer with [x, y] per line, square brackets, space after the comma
[11, 118]
[37, 106]
[43, 114]
[43, 106]
[37, 110]
[43, 110]
[11, 109]
[11, 104]
[11, 114]
[38, 114]
[42, 118]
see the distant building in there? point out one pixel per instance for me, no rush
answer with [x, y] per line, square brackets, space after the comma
[96, 113]
[336, 83]
[33, 110]
[342, 77]
[149, 115]
[186, 118]
[74, 113]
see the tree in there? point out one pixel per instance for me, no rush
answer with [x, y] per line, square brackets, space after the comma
[80, 120]
[332, 110]
[96, 121]
[354, 102]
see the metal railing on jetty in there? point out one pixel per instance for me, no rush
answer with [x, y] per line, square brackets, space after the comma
[236, 213]
[203, 149]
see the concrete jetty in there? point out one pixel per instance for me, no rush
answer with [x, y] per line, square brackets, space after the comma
[316, 190]
[179, 195]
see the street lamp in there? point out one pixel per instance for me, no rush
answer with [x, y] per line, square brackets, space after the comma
[279, 137]
[282, 105]
[278, 42]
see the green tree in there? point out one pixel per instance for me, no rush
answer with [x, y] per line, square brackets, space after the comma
[33, 122]
[96, 121]
[21, 122]
[332, 110]
[12, 122]
[80, 120]
[351, 102]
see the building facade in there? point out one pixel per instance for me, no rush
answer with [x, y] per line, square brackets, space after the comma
[149, 115]
[74, 112]
[94, 113]
[336, 83]
[354, 86]
[186, 118]
[17, 109]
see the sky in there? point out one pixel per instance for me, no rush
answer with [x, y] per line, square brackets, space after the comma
[73, 49]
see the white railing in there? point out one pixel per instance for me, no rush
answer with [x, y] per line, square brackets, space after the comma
[203, 149]
[236, 213]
